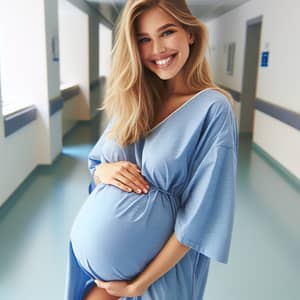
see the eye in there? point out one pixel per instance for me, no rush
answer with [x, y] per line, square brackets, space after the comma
[168, 32]
[143, 40]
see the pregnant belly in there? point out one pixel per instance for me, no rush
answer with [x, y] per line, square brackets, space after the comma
[116, 234]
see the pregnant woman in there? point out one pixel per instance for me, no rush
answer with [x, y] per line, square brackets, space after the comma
[161, 204]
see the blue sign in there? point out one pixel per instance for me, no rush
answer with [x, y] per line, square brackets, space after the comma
[264, 59]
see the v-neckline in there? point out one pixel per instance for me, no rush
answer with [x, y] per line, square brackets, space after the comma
[177, 109]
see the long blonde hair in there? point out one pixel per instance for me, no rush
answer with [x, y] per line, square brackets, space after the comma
[133, 93]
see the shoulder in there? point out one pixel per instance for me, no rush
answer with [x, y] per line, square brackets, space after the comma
[214, 100]
[213, 105]
[220, 121]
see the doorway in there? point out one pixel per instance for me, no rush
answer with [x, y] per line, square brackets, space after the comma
[251, 60]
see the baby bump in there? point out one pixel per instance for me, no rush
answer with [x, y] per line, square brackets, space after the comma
[116, 234]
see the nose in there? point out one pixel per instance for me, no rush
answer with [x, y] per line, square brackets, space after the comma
[158, 47]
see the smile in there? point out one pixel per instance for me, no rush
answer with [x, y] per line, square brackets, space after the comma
[163, 63]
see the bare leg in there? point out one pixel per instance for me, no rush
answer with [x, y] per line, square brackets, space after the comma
[97, 293]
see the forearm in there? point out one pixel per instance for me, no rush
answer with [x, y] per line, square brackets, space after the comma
[172, 252]
[95, 177]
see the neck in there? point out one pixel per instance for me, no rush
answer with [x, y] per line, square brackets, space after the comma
[176, 86]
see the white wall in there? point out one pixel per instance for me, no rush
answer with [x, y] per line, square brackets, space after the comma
[105, 48]
[277, 83]
[94, 20]
[24, 65]
[74, 53]
[70, 112]
[53, 78]
[23, 79]
[31, 76]
[106, 17]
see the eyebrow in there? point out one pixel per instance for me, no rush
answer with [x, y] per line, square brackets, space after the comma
[159, 29]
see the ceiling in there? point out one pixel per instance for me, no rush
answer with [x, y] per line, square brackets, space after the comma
[203, 9]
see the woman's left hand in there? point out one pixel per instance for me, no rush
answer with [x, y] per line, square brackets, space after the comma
[121, 288]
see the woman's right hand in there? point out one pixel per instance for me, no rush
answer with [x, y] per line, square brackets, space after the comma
[123, 174]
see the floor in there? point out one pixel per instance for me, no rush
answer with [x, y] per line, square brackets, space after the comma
[264, 262]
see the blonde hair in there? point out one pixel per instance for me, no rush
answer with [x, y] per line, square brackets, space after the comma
[133, 93]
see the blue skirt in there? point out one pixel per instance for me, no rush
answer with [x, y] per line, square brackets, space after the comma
[78, 281]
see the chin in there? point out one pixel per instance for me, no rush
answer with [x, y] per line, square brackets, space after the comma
[165, 75]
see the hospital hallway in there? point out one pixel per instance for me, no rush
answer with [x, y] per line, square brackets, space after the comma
[61, 61]
[35, 224]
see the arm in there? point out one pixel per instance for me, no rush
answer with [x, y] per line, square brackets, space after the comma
[95, 177]
[172, 252]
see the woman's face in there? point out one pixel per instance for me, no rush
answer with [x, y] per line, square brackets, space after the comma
[162, 42]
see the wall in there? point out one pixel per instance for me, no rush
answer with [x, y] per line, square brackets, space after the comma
[106, 17]
[74, 55]
[53, 77]
[31, 75]
[278, 83]
[23, 79]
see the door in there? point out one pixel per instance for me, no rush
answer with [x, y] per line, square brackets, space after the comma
[251, 61]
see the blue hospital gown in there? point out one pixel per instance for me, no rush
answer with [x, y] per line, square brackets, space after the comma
[189, 159]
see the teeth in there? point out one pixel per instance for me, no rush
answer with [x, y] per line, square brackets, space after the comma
[163, 61]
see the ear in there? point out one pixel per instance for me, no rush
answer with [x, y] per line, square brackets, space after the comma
[191, 37]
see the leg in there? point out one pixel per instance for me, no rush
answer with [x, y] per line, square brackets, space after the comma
[97, 293]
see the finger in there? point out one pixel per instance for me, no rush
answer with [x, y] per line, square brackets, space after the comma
[139, 177]
[98, 283]
[136, 177]
[121, 186]
[135, 171]
[103, 284]
[132, 181]
[135, 166]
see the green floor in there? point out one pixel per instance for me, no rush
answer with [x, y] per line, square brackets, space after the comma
[35, 223]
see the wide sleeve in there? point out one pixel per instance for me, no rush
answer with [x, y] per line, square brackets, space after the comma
[93, 161]
[94, 157]
[205, 218]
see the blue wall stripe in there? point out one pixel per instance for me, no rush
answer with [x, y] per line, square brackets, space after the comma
[235, 95]
[19, 119]
[56, 104]
[284, 115]
[70, 92]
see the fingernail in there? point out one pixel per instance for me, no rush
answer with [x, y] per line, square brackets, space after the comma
[145, 190]
[138, 190]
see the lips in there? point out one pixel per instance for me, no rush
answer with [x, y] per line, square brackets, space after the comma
[164, 61]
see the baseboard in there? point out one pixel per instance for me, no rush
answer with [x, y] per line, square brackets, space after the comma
[295, 181]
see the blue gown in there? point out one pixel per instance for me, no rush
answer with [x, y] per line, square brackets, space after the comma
[189, 159]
